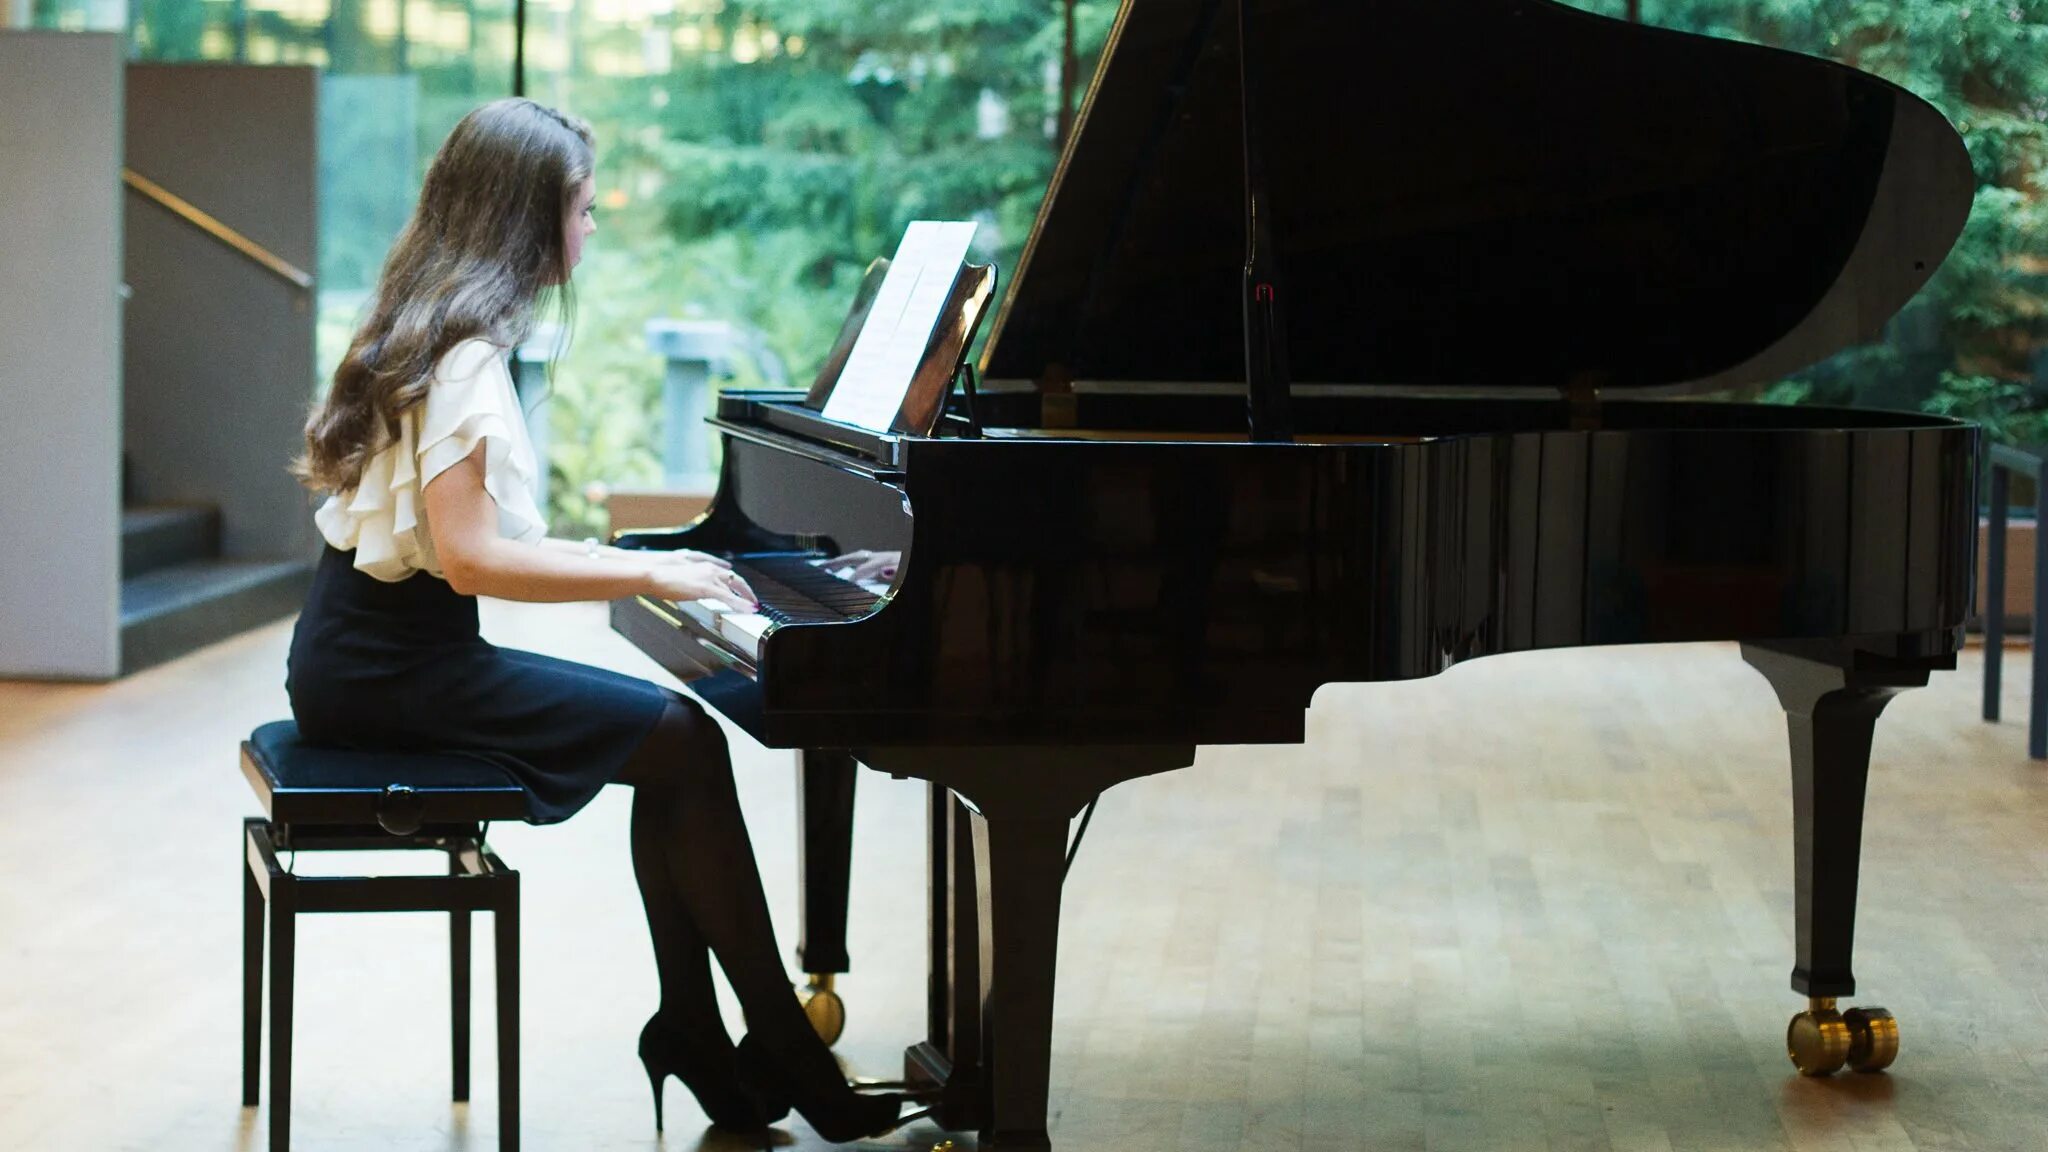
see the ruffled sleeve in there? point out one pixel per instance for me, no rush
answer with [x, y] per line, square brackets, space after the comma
[470, 402]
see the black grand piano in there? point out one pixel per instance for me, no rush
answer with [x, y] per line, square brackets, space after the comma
[1353, 340]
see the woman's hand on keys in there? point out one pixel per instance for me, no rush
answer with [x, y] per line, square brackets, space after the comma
[702, 580]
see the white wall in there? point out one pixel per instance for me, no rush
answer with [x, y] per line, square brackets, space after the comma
[60, 353]
[218, 359]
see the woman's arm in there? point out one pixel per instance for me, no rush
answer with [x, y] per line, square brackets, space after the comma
[476, 561]
[558, 544]
[606, 551]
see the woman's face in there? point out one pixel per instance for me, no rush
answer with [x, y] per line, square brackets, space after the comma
[581, 222]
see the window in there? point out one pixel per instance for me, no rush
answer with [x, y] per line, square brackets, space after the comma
[755, 155]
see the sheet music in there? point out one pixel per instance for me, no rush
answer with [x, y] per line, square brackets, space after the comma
[886, 354]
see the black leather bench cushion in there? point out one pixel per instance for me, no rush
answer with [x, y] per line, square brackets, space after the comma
[300, 783]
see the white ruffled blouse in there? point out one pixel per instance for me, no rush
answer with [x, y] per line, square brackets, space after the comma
[471, 399]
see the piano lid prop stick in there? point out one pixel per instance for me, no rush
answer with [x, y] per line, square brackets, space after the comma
[1266, 379]
[970, 393]
[1074, 849]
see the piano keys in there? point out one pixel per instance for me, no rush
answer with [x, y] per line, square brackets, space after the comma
[1501, 283]
[793, 588]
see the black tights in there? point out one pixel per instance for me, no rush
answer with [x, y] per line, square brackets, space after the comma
[702, 892]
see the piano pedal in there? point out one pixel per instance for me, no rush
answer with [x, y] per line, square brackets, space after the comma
[823, 1008]
[1822, 1039]
[918, 1091]
[909, 1118]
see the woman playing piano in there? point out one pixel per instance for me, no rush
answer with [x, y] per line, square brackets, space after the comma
[422, 445]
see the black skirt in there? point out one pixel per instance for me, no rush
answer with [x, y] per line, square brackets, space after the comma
[400, 667]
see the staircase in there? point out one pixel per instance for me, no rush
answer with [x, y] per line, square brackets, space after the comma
[179, 594]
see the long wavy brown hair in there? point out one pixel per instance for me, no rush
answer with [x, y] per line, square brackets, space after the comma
[483, 253]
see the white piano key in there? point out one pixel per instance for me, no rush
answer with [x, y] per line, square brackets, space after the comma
[704, 612]
[744, 629]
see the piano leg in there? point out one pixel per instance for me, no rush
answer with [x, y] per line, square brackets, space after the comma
[824, 867]
[1831, 707]
[1018, 865]
[949, 1059]
[999, 820]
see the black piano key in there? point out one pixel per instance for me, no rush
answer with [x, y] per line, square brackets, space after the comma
[794, 590]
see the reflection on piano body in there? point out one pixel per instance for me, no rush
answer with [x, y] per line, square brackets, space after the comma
[1492, 281]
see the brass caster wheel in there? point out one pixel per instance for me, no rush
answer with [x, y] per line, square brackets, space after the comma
[824, 1008]
[1818, 1039]
[1873, 1039]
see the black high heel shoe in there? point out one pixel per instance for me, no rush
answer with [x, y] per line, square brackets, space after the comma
[714, 1081]
[833, 1108]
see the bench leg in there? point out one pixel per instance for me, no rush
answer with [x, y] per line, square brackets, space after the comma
[458, 986]
[506, 918]
[252, 977]
[282, 941]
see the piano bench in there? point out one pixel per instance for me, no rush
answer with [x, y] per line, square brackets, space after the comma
[329, 799]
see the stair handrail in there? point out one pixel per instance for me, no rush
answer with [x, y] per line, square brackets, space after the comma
[200, 219]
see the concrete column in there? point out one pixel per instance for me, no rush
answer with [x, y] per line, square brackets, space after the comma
[694, 350]
[60, 354]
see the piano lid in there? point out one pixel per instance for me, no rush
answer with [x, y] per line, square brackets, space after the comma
[1478, 193]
